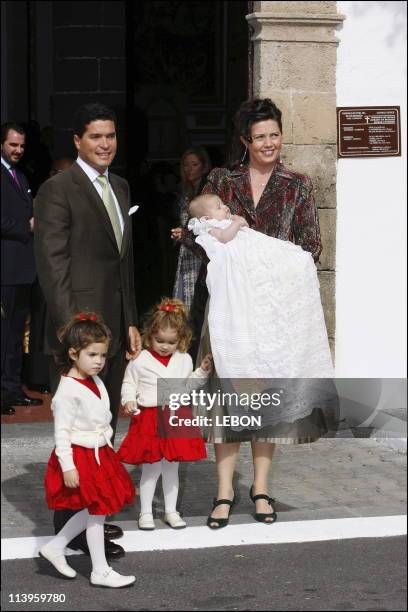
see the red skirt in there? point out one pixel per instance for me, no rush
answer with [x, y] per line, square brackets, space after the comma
[103, 489]
[151, 438]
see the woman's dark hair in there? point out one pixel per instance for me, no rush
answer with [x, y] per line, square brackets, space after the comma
[87, 113]
[83, 329]
[250, 112]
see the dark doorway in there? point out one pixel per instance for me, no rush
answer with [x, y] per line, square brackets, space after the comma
[187, 72]
[174, 72]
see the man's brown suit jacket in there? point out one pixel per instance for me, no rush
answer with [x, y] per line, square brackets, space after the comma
[78, 262]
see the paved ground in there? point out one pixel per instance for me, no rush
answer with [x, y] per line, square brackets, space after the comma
[330, 478]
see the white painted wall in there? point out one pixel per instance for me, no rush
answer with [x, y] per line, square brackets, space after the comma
[371, 199]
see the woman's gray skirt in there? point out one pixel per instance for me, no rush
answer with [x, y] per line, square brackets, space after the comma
[303, 431]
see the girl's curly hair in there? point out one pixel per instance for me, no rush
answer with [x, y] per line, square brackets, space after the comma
[82, 330]
[168, 313]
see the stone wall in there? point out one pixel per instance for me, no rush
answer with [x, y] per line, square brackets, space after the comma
[295, 65]
[89, 65]
[15, 90]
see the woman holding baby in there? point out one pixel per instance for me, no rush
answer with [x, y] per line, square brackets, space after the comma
[279, 203]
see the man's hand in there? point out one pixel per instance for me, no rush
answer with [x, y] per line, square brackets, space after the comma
[31, 222]
[131, 409]
[176, 233]
[207, 362]
[135, 343]
[71, 479]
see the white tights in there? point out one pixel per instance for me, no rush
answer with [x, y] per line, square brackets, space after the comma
[93, 524]
[170, 483]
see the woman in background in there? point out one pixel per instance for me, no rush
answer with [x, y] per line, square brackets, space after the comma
[194, 168]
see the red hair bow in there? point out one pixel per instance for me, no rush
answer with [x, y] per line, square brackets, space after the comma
[168, 308]
[83, 316]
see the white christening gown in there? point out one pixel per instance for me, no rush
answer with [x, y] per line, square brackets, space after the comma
[265, 314]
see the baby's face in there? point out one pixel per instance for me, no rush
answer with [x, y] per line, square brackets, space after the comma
[216, 209]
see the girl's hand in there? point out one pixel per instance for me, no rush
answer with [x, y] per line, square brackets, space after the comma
[71, 479]
[176, 234]
[207, 363]
[131, 409]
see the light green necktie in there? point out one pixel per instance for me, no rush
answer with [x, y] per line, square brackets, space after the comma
[111, 209]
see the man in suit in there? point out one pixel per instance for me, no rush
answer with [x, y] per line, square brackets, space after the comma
[84, 255]
[36, 364]
[17, 266]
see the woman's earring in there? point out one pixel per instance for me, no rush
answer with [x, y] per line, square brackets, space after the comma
[244, 155]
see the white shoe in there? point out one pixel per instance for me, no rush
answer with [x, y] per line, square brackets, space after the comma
[146, 522]
[111, 579]
[57, 560]
[174, 520]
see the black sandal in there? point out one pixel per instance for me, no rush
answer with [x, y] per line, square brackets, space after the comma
[221, 522]
[259, 516]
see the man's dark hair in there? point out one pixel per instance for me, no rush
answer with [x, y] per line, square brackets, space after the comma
[10, 125]
[93, 111]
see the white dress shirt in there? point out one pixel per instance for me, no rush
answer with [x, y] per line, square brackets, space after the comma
[93, 174]
[7, 165]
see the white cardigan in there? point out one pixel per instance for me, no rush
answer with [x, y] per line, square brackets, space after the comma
[80, 417]
[143, 373]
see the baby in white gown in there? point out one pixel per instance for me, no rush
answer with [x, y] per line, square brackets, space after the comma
[265, 314]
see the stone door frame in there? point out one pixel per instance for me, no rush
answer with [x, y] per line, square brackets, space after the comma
[294, 63]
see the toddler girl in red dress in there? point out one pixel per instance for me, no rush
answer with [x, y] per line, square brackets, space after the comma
[84, 472]
[152, 440]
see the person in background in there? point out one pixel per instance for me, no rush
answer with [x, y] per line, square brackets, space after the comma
[36, 363]
[194, 167]
[17, 266]
[61, 164]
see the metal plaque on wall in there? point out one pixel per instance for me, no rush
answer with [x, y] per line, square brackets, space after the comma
[368, 131]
